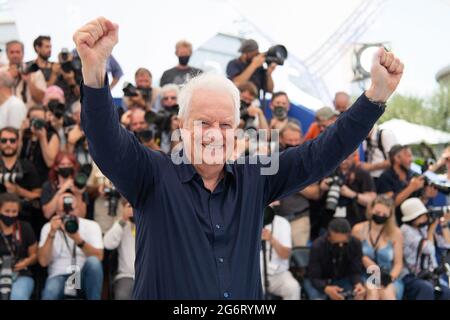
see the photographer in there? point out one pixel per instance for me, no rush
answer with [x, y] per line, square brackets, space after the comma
[64, 177]
[356, 190]
[296, 207]
[421, 268]
[249, 67]
[376, 150]
[18, 242]
[142, 95]
[18, 176]
[121, 236]
[139, 126]
[334, 270]
[71, 245]
[68, 76]
[29, 83]
[76, 140]
[278, 241]
[382, 245]
[57, 116]
[252, 116]
[43, 47]
[40, 142]
[107, 204]
[399, 182]
[182, 73]
[12, 109]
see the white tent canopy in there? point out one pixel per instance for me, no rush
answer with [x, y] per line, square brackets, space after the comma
[410, 133]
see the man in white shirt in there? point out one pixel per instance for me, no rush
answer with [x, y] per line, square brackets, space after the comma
[376, 150]
[77, 253]
[29, 84]
[12, 110]
[278, 251]
[122, 236]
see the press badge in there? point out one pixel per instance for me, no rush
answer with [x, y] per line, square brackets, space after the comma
[341, 212]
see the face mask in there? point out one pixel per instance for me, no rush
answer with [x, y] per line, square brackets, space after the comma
[8, 221]
[379, 219]
[184, 60]
[244, 105]
[65, 172]
[280, 113]
[132, 219]
[422, 225]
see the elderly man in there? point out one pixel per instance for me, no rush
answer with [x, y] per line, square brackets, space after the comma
[199, 223]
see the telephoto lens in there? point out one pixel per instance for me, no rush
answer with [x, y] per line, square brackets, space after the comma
[333, 194]
[70, 221]
[6, 277]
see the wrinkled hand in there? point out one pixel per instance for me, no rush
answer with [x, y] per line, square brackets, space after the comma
[386, 72]
[95, 42]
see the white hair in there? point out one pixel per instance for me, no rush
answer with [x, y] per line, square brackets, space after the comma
[170, 87]
[209, 81]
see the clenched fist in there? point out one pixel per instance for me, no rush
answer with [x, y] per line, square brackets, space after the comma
[386, 72]
[95, 42]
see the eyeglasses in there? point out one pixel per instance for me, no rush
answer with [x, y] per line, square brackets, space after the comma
[5, 140]
[169, 98]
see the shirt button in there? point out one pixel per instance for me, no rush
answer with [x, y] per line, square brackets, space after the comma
[217, 226]
[226, 295]
[221, 260]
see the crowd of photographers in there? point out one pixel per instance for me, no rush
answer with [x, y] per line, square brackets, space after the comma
[369, 231]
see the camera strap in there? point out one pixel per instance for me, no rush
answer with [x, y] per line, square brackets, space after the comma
[74, 249]
[12, 246]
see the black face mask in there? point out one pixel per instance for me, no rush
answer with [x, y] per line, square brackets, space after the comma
[65, 172]
[8, 221]
[184, 60]
[424, 224]
[280, 113]
[379, 219]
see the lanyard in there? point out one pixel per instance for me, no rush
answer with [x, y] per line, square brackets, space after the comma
[375, 243]
[12, 247]
[74, 255]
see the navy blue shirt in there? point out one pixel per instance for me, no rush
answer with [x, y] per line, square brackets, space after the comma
[236, 67]
[192, 243]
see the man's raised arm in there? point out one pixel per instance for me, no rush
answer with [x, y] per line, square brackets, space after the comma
[314, 160]
[118, 154]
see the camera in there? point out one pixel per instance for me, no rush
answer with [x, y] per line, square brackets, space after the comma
[438, 212]
[81, 178]
[335, 183]
[30, 68]
[280, 113]
[38, 124]
[69, 65]
[6, 277]
[348, 295]
[161, 119]
[70, 221]
[113, 197]
[57, 108]
[15, 176]
[131, 91]
[440, 186]
[277, 54]
[250, 122]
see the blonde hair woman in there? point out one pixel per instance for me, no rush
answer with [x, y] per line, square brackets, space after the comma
[382, 245]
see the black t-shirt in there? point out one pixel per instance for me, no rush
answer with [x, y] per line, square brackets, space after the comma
[179, 76]
[19, 241]
[32, 151]
[236, 67]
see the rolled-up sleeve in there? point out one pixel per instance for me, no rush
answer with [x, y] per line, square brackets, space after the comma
[116, 151]
[316, 159]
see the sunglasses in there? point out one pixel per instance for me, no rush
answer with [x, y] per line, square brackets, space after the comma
[169, 98]
[5, 140]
